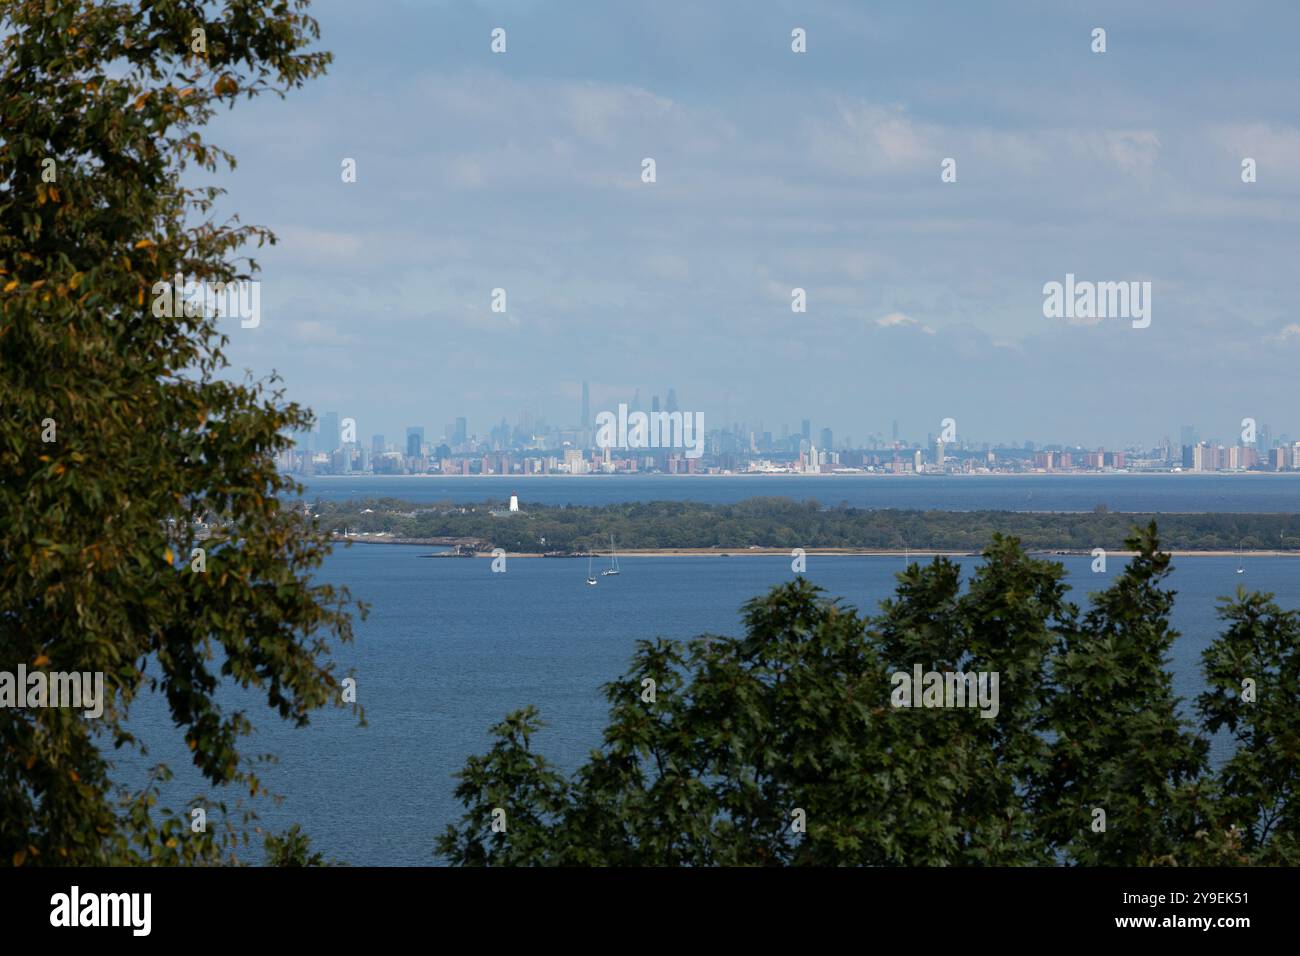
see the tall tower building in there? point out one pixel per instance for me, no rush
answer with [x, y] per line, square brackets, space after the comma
[328, 440]
[414, 439]
[462, 431]
[672, 400]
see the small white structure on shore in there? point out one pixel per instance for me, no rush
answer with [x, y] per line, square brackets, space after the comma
[514, 502]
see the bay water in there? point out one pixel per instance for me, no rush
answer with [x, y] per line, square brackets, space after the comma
[450, 647]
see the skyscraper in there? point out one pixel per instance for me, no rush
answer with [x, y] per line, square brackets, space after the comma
[672, 400]
[462, 431]
[654, 404]
[826, 442]
[328, 439]
[414, 439]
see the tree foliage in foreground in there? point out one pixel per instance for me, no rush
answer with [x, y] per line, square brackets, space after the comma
[796, 715]
[118, 426]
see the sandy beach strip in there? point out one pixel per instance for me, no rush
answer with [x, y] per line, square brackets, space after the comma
[869, 553]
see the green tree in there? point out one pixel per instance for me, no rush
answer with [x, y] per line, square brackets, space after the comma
[291, 848]
[784, 747]
[1121, 746]
[119, 428]
[1253, 676]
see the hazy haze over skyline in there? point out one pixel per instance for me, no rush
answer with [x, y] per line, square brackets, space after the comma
[779, 170]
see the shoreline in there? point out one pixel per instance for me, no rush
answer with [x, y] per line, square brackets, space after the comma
[810, 552]
[843, 474]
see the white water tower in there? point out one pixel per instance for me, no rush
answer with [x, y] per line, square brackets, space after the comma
[514, 502]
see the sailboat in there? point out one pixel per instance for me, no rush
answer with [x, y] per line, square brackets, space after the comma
[590, 578]
[1241, 568]
[613, 559]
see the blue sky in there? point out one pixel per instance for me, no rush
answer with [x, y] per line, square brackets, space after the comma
[778, 170]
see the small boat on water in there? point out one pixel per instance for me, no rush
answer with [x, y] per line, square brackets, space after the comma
[613, 559]
[1241, 568]
[591, 580]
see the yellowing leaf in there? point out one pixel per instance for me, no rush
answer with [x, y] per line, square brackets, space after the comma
[40, 661]
[19, 857]
[170, 557]
[12, 285]
[144, 244]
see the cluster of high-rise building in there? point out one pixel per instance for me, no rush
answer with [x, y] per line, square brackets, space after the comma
[532, 446]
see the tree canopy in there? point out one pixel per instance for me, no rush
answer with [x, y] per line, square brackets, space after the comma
[120, 427]
[783, 523]
[785, 746]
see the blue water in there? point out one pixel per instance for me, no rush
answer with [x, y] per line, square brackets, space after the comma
[1120, 492]
[450, 648]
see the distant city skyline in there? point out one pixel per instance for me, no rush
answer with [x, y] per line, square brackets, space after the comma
[674, 441]
[460, 427]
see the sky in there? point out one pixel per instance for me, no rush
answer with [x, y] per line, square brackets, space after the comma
[777, 170]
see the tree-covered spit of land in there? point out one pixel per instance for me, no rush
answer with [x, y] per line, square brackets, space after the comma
[784, 523]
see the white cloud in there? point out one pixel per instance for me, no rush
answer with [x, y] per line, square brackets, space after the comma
[898, 319]
[1134, 151]
[866, 136]
[318, 243]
